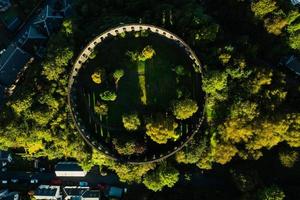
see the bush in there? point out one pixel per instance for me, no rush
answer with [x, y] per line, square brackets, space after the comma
[117, 75]
[271, 193]
[131, 122]
[184, 109]
[147, 53]
[161, 129]
[108, 96]
[101, 108]
[288, 158]
[98, 76]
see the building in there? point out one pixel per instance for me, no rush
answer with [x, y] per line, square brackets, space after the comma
[114, 192]
[293, 63]
[81, 193]
[4, 5]
[295, 2]
[91, 195]
[12, 63]
[48, 21]
[47, 192]
[69, 169]
[9, 16]
[6, 195]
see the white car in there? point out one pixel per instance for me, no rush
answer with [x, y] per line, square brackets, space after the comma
[4, 181]
[34, 181]
[14, 180]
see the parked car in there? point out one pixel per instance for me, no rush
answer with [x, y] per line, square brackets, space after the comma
[83, 184]
[42, 169]
[4, 181]
[3, 169]
[34, 181]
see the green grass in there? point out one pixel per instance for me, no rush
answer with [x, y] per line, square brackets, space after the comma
[146, 87]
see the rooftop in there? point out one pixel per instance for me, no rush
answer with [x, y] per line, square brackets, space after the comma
[67, 166]
[12, 61]
[75, 190]
[293, 63]
[47, 190]
[295, 2]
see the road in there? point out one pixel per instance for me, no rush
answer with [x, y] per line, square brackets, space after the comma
[46, 178]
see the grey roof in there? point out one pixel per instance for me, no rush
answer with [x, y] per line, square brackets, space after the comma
[31, 34]
[11, 63]
[47, 20]
[293, 64]
[295, 2]
[75, 191]
[67, 166]
[91, 194]
[2, 95]
[45, 192]
[4, 155]
[4, 4]
[11, 196]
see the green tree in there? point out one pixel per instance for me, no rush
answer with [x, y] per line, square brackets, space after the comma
[288, 158]
[147, 53]
[118, 74]
[131, 122]
[101, 108]
[161, 129]
[108, 96]
[164, 175]
[262, 7]
[184, 109]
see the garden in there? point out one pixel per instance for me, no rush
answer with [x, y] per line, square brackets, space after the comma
[139, 96]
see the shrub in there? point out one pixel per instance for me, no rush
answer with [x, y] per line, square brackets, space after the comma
[117, 75]
[147, 53]
[108, 96]
[101, 108]
[288, 158]
[131, 122]
[179, 70]
[184, 109]
[161, 129]
[98, 76]
[271, 193]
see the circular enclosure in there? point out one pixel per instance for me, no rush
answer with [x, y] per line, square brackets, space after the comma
[135, 93]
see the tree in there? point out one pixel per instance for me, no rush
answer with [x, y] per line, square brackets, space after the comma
[98, 76]
[117, 75]
[124, 148]
[131, 122]
[108, 96]
[245, 180]
[288, 158]
[163, 175]
[147, 53]
[271, 193]
[275, 24]
[101, 108]
[262, 7]
[184, 109]
[161, 129]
